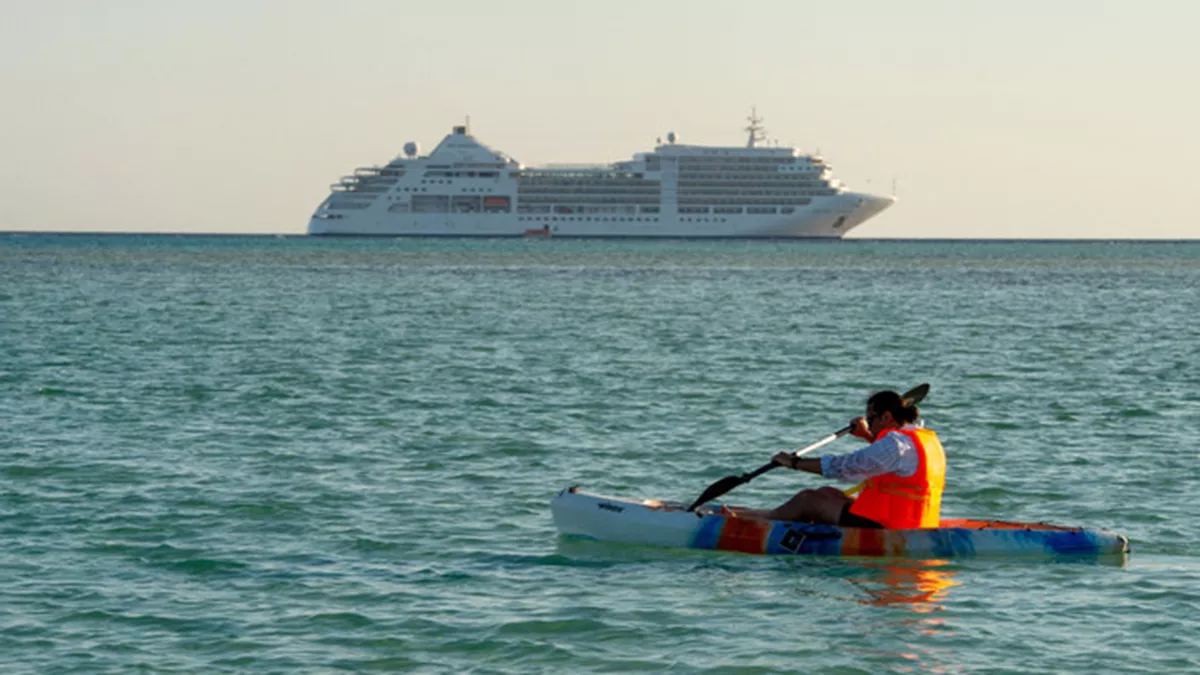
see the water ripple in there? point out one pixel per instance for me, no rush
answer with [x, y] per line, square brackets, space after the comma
[242, 455]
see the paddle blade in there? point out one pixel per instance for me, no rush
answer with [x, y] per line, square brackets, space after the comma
[916, 394]
[717, 489]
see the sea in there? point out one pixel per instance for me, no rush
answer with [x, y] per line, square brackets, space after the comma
[301, 455]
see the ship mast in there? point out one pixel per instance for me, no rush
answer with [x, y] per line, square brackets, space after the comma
[756, 130]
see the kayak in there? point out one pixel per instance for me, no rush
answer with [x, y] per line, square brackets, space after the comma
[664, 523]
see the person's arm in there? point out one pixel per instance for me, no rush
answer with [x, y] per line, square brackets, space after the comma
[891, 453]
[809, 464]
[858, 427]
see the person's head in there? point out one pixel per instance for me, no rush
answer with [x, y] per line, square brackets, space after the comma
[888, 410]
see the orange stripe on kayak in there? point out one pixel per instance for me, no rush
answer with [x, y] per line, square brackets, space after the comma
[972, 524]
[862, 541]
[745, 535]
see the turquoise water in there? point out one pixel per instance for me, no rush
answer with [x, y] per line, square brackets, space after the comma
[294, 455]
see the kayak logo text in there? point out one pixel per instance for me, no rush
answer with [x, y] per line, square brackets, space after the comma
[793, 540]
[610, 507]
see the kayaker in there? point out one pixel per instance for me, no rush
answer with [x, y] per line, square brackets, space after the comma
[902, 473]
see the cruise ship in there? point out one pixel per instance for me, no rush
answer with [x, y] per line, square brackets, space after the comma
[463, 188]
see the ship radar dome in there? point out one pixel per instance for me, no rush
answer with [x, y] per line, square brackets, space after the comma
[671, 137]
[411, 149]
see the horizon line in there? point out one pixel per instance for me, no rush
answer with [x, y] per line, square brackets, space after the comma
[280, 235]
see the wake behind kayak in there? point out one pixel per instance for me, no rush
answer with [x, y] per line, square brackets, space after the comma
[659, 523]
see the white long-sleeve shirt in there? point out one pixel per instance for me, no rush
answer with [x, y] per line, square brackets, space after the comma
[891, 453]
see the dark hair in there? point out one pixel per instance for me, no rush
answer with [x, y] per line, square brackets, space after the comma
[890, 401]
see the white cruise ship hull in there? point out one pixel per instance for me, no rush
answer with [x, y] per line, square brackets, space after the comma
[827, 218]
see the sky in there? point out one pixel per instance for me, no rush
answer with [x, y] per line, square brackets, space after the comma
[1018, 119]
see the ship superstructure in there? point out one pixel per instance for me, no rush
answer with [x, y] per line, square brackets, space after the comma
[465, 188]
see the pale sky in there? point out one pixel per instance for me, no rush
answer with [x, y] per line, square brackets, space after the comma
[1056, 119]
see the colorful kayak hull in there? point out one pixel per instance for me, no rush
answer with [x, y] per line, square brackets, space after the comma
[656, 523]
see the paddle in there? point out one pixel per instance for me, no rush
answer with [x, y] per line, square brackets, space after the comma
[911, 397]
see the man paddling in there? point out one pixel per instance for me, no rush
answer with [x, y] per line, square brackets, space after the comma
[902, 473]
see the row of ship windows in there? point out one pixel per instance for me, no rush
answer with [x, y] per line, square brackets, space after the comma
[754, 168]
[730, 195]
[581, 219]
[743, 201]
[431, 206]
[648, 186]
[584, 193]
[459, 204]
[731, 161]
[750, 198]
[461, 174]
[588, 218]
[586, 181]
[755, 210]
[691, 178]
[371, 172]
[788, 178]
[360, 191]
[685, 176]
[684, 191]
[689, 190]
[463, 208]
[750, 171]
[627, 179]
[693, 204]
[736, 160]
[752, 210]
[587, 176]
[758, 189]
[528, 208]
[648, 200]
[740, 166]
[414, 189]
[404, 208]
[625, 220]
[714, 171]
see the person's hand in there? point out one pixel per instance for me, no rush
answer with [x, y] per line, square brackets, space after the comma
[859, 427]
[785, 459]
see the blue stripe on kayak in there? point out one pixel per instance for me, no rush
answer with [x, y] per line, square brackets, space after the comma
[1070, 542]
[709, 532]
[775, 539]
[952, 542]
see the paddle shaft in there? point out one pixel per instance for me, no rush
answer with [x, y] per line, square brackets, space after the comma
[729, 482]
[799, 453]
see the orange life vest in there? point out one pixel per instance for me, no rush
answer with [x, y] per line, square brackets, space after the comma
[903, 503]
